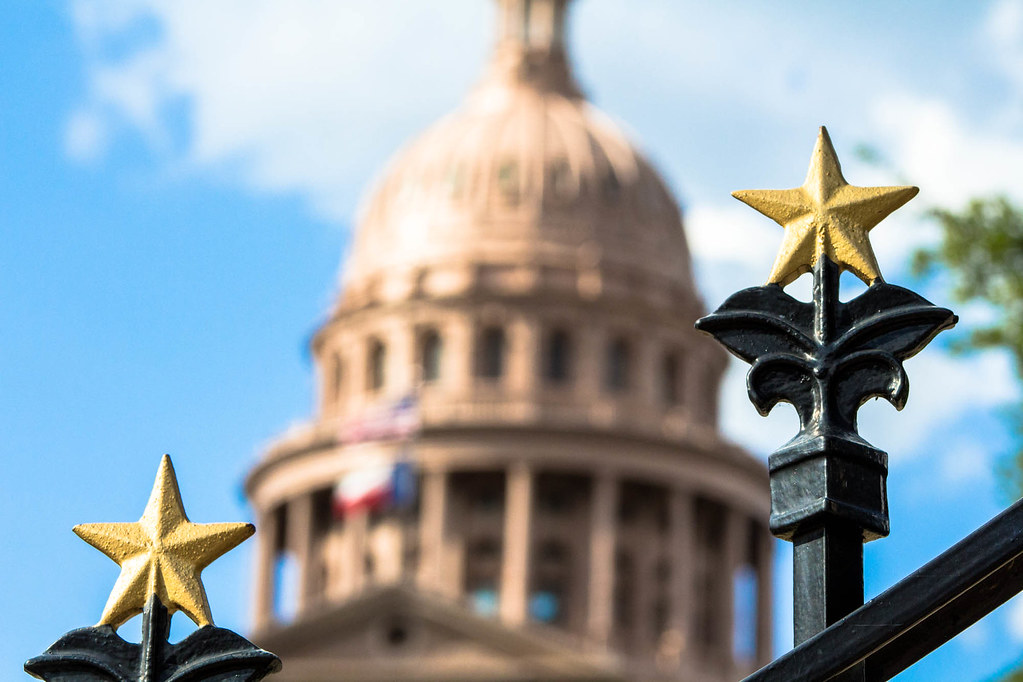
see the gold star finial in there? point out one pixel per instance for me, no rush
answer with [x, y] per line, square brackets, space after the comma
[163, 553]
[826, 217]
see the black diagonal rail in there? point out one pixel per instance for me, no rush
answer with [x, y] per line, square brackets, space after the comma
[918, 614]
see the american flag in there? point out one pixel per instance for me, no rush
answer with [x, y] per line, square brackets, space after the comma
[396, 421]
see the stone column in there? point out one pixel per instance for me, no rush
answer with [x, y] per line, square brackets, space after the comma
[764, 568]
[336, 558]
[432, 531]
[300, 536]
[682, 520]
[518, 512]
[402, 343]
[588, 372]
[357, 526]
[459, 349]
[603, 538]
[266, 560]
[522, 357]
[387, 547]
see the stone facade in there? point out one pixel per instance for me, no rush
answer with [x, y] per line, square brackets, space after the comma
[522, 271]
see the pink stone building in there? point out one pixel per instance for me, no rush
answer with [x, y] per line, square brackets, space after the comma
[521, 276]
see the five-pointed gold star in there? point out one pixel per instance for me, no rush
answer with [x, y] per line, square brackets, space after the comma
[162, 553]
[826, 217]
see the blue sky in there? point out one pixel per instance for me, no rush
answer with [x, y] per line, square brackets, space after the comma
[178, 180]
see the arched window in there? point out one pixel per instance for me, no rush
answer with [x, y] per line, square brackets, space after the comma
[710, 579]
[430, 349]
[560, 180]
[549, 600]
[745, 595]
[624, 588]
[482, 575]
[671, 378]
[619, 356]
[286, 578]
[508, 181]
[612, 186]
[490, 354]
[376, 365]
[558, 357]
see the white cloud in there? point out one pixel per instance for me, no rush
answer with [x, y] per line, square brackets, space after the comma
[300, 96]
[1014, 618]
[964, 465]
[950, 159]
[934, 140]
[736, 235]
[1004, 23]
[941, 387]
[1003, 38]
[975, 637]
[85, 136]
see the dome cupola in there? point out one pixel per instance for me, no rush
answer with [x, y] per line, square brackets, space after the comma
[526, 174]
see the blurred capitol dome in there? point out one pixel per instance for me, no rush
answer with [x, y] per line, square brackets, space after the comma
[515, 470]
[525, 174]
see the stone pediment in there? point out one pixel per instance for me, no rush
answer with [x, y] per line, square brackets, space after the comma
[398, 633]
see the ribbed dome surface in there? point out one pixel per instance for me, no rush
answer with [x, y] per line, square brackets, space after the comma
[525, 171]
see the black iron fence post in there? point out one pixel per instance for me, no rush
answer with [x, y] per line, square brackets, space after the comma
[826, 358]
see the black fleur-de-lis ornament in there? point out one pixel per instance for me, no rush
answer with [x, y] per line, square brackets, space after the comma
[826, 358]
[161, 558]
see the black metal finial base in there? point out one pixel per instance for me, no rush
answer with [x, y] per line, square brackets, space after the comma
[98, 654]
[827, 357]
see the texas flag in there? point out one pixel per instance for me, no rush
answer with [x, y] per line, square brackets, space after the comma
[378, 486]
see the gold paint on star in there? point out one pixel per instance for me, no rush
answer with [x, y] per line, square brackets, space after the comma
[163, 553]
[826, 216]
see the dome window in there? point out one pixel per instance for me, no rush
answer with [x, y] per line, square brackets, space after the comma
[376, 365]
[430, 351]
[490, 355]
[508, 181]
[617, 369]
[671, 379]
[559, 180]
[612, 186]
[558, 357]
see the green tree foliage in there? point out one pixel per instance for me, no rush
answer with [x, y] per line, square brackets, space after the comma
[1014, 677]
[982, 250]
